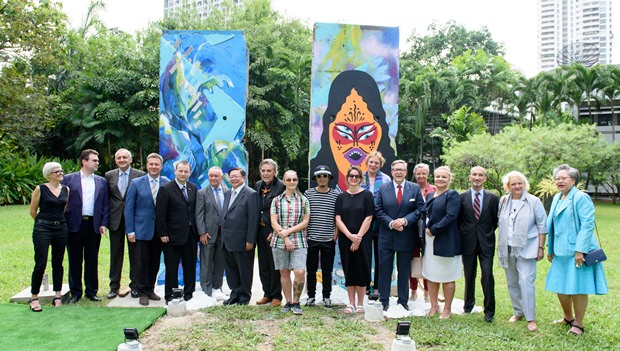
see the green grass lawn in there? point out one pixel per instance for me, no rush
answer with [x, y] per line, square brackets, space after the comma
[241, 328]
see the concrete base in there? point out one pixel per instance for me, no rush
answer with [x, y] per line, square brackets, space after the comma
[45, 296]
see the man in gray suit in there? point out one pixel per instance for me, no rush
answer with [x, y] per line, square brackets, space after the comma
[209, 213]
[239, 229]
[118, 182]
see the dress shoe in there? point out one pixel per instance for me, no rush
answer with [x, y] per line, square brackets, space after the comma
[74, 299]
[243, 303]
[112, 294]
[144, 300]
[153, 296]
[386, 307]
[276, 303]
[218, 295]
[405, 306]
[488, 319]
[134, 293]
[230, 302]
[93, 298]
[265, 300]
[187, 297]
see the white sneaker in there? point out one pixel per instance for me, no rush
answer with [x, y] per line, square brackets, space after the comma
[218, 295]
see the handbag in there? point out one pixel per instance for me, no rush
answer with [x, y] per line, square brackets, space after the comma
[594, 256]
[416, 267]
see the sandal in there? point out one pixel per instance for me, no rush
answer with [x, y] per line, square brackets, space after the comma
[432, 313]
[57, 299]
[581, 330]
[359, 309]
[349, 309]
[564, 321]
[36, 308]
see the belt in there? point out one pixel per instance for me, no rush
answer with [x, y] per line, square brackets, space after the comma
[51, 222]
[87, 218]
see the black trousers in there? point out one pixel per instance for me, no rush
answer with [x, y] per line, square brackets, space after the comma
[147, 256]
[269, 276]
[44, 235]
[239, 274]
[117, 255]
[324, 252]
[488, 281]
[186, 255]
[83, 246]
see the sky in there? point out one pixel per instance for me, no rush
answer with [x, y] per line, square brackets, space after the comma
[514, 23]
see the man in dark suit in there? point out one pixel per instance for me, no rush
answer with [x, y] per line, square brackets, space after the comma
[87, 221]
[239, 228]
[478, 221]
[175, 208]
[209, 214]
[268, 188]
[140, 226]
[398, 208]
[119, 181]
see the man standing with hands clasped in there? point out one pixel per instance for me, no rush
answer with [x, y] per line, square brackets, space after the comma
[478, 224]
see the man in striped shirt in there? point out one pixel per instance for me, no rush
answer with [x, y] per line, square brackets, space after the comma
[321, 234]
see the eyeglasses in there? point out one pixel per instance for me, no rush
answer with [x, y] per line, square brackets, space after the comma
[354, 176]
[290, 179]
[322, 176]
[561, 179]
[60, 171]
[399, 170]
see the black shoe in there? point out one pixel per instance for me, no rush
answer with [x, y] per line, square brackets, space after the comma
[93, 298]
[187, 297]
[386, 307]
[488, 319]
[243, 302]
[230, 302]
[112, 294]
[74, 299]
[405, 306]
[134, 293]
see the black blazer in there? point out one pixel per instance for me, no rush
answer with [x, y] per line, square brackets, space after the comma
[175, 215]
[481, 231]
[443, 222]
[117, 201]
[240, 222]
[277, 188]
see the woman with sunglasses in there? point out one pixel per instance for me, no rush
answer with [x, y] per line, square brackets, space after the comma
[47, 208]
[354, 210]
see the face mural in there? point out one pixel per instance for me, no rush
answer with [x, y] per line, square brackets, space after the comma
[354, 133]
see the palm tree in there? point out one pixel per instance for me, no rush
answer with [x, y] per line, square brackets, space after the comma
[610, 75]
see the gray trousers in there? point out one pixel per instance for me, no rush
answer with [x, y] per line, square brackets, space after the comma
[520, 277]
[212, 265]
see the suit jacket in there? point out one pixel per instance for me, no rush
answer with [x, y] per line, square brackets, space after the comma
[277, 188]
[240, 222]
[443, 221]
[140, 208]
[74, 205]
[175, 215]
[208, 216]
[387, 209]
[481, 231]
[117, 201]
[571, 224]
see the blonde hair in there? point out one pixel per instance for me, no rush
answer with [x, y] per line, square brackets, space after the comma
[378, 155]
[515, 174]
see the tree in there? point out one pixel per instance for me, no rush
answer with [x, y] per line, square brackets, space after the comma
[462, 125]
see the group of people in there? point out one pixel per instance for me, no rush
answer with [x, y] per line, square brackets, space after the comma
[378, 215]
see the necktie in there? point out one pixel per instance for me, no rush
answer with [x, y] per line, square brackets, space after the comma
[477, 205]
[184, 190]
[216, 193]
[233, 194]
[122, 183]
[154, 189]
[399, 196]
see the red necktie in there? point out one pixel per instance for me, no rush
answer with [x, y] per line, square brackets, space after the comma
[399, 196]
[477, 205]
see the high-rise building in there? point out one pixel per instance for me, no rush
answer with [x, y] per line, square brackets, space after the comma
[581, 24]
[201, 7]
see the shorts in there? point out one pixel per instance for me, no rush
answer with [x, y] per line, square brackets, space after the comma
[295, 259]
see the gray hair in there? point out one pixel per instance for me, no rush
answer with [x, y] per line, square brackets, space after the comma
[123, 150]
[216, 169]
[48, 167]
[422, 165]
[572, 172]
[398, 162]
[270, 162]
[515, 174]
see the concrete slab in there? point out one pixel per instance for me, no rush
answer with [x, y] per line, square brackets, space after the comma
[45, 296]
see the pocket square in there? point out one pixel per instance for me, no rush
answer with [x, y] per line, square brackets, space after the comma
[412, 200]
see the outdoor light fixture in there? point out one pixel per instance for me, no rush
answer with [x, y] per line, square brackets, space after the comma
[373, 297]
[177, 293]
[403, 342]
[131, 334]
[402, 329]
[132, 340]
[177, 307]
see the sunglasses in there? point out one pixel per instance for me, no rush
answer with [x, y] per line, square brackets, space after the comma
[60, 171]
[354, 176]
[322, 176]
[290, 179]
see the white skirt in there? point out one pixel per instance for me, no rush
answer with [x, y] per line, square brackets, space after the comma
[440, 269]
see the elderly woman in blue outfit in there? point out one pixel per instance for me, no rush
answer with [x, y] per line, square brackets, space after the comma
[521, 243]
[571, 227]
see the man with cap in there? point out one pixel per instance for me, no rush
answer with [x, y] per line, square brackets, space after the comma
[321, 234]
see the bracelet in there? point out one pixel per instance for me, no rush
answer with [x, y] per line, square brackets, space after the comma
[541, 247]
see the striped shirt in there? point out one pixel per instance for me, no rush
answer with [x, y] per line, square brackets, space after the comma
[322, 223]
[290, 213]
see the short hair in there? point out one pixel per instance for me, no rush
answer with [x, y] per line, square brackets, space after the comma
[182, 162]
[572, 172]
[237, 169]
[444, 168]
[216, 168]
[484, 169]
[422, 165]
[155, 155]
[397, 162]
[85, 154]
[378, 155]
[123, 150]
[514, 174]
[48, 167]
[270, 162]
[354, 168]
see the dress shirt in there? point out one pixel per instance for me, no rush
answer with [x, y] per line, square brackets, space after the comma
[88, 194]
[473, 197]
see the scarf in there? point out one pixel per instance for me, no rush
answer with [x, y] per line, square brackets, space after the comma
[521, 223]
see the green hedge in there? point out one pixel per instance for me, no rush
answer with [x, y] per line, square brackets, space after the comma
[19, 175]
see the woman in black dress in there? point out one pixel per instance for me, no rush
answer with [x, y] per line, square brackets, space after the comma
[47, 208]
[354, 210]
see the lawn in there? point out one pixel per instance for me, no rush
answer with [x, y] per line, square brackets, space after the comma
[243, 328]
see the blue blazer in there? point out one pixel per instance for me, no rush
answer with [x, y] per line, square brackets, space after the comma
[73, 214]
[571, 224]
[443, 213]
[387, 209]
[140, 208]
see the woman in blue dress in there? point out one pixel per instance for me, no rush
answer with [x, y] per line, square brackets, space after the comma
[571, 236]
